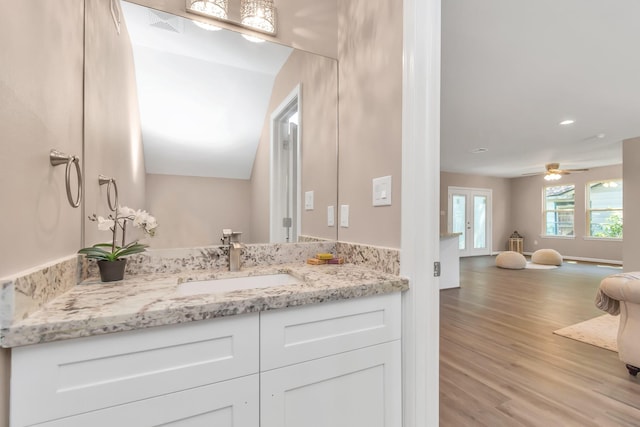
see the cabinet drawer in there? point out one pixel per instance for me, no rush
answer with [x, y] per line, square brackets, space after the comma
[225, 404]
[80, 375]
[298, 334]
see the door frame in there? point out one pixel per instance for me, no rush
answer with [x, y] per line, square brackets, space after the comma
[275, 214]
[420, 210]
[471, 191]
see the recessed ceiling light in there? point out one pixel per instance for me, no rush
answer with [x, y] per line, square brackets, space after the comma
[567, 122]
[479, 150]
[600, 136]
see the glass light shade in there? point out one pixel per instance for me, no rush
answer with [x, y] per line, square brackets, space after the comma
[205, 26]
[552, 176]
[253, 39]
[258, 14]
[213, 8]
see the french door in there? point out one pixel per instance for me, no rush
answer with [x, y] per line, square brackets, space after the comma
[470, 214]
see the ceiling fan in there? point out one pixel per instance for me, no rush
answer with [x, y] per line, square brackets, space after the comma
[554, 173]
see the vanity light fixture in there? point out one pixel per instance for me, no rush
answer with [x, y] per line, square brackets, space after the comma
[259, 15]
[210, 8]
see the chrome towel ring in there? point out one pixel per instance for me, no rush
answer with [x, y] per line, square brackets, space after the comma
[110, 183]
[59, 158]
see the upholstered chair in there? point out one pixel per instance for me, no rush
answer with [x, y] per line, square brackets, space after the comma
[625, 288]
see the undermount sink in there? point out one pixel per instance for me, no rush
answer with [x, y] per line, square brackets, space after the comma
[236, 284]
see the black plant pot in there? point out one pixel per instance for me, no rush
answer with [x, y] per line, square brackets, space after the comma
[110, 271]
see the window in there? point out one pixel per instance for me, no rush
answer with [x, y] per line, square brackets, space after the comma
[559, 203]
[604, 209]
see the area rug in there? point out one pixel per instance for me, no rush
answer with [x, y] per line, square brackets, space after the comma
[600, 331]
[540, 266]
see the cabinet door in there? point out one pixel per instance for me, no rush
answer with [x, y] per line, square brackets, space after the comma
[232, 403]
[360, 388]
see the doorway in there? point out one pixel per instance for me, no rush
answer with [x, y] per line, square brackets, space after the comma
[470, 214]
[285, 171]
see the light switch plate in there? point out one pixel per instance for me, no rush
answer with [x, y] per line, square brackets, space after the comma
[382, 191]
[331, 216]
[308, 200]
[344, 216]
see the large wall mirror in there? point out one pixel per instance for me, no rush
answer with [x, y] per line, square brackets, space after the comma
[234, 134]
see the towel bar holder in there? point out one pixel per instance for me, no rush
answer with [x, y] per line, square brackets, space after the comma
[57, 158]
[113, 205]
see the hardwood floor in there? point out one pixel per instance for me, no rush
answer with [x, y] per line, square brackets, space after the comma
[501, 364]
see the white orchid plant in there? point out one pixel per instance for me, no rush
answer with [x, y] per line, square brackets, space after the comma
[111, 251]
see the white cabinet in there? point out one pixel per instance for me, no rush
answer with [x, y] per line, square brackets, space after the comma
[232, 403]
[66, 378]
[304, 333]
[332, 365]
[359, 388]
[325, 365]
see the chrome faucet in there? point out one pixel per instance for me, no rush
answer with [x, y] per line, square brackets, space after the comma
[232, 239]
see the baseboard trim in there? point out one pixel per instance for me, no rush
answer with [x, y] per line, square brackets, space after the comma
[585, 259]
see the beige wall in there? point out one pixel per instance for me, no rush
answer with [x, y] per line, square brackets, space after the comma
[631, 176]
[304, 24]
[192, 211]
[40, 109]
[501, 203]
[526, 214]
[317, 76]
[370, 116]
[113, 143]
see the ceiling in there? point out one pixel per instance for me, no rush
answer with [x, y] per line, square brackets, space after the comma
[203, 95]
[512, 70]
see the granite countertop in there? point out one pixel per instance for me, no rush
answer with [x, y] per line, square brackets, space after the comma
[93, 308]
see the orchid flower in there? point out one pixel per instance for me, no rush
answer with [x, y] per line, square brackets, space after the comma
[140, 219]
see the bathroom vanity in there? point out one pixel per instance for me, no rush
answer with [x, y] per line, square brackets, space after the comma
[325, 351]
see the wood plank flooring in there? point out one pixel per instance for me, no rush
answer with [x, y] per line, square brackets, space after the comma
[501, 364]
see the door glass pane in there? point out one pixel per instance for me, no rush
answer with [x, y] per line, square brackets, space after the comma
[459, 203]
[479, 222]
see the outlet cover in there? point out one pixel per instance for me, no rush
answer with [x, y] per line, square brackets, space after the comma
[344, 216]
[308, 200]
[331, 216]
[382, 191]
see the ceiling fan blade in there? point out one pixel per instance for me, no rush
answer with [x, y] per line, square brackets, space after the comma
[576, 170]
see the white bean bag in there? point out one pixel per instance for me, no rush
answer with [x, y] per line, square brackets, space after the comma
[511, 260]
[546, 257]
